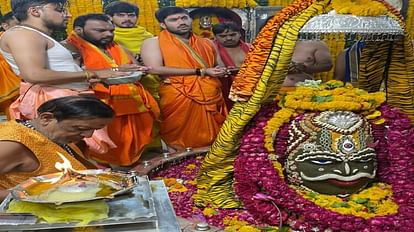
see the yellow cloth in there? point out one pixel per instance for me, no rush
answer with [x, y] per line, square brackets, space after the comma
[44, 149]
[84, 212]
[131, 38]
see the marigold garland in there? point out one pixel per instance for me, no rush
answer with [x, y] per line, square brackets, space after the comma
[81, 7]
[371, 202]
[342, 97]
[147, 9]
[5, 6]
[216, 3]
[359, 7]
[255, 61]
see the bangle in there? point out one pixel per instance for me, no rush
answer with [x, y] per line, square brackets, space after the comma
[198, 72]
[88, 76]
[203, 72]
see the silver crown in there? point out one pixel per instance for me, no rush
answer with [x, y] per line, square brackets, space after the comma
[341, 121]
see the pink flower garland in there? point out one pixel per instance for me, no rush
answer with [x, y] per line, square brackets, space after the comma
[254, 174]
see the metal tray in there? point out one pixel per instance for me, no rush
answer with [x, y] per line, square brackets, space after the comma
[135, 208]
[134, 77]
[121, 182]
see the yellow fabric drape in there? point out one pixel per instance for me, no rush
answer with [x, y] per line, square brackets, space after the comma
[131, 38]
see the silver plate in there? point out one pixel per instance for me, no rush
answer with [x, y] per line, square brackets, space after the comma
[123, 183]
[134, 77]
[126, 213]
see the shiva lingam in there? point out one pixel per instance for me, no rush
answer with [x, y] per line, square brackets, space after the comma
[70, 185]
[331, 153]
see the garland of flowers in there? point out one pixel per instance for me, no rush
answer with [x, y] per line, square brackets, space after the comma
[82, 7]
[371, 202]
[256, 60]
[333, 95]
[359, 7]
[254, 174]
[410, 18]
[279, 2]
[5, 6]
[181, 184]
[147, 9]
[216, 3]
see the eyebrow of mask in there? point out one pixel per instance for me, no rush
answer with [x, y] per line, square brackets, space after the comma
[323, 155]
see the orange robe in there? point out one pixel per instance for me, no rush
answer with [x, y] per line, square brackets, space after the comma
[43, 148]
[136, 110]
[9, 85]
[192, 107]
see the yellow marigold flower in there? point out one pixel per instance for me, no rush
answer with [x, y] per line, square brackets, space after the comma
[192, 182]
[248, 229]
[373, 115]
[177, 187]
[209, 212]
[169, 181]
[190, 166]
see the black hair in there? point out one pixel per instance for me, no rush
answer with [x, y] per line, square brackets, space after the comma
[222, 27]
[75, 107]
[20, 7]
[7, 17]
[164, 12]
[80, 21]
[121, 7]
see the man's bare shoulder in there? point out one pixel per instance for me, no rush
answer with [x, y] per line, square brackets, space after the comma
[152, 40]
[21, 33]
[20, 36]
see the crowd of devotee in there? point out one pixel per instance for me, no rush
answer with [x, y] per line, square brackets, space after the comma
[180, 101]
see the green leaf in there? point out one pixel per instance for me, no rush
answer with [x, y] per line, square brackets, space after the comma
[321, 99]
[340, 205]
[361, 200]
[312, 195]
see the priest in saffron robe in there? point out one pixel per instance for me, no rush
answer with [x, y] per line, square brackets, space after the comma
[232, 50]
[191, 101]
[135, 109]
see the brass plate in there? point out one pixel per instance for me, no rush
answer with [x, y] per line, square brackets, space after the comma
[108, 183]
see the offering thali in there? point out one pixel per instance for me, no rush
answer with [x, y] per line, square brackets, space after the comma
[131, 211]
[86, 185]
[134, 77]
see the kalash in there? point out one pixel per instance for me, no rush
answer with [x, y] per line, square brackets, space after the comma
[328, 156]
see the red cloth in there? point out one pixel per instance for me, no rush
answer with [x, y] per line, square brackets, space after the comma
[228, 62]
